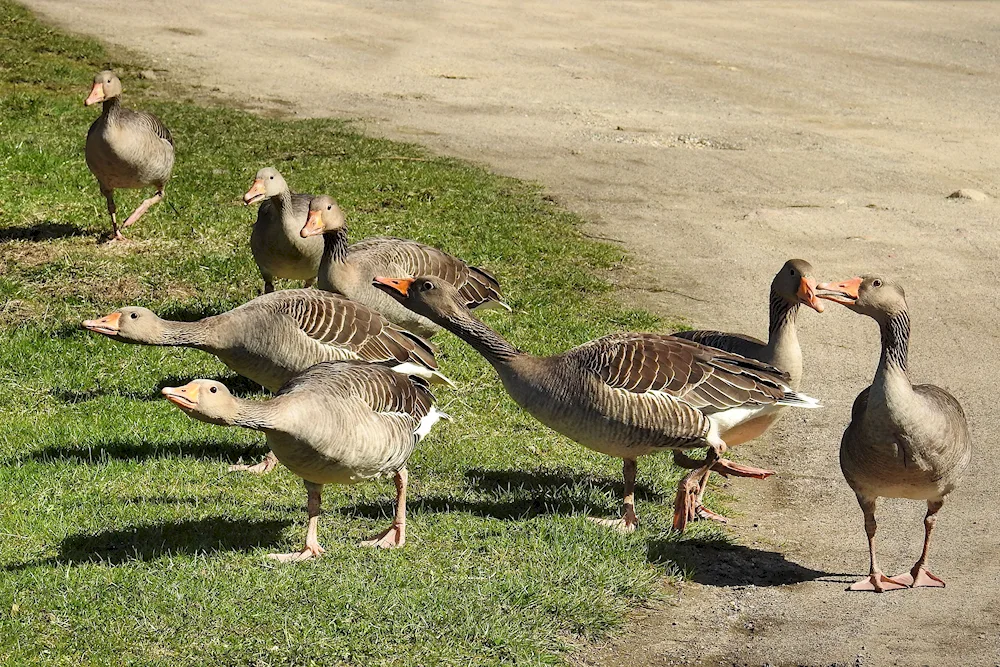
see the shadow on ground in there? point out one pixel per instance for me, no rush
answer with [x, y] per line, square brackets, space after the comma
[41, 231]
[719, 563]
[152, 541]
[122, 450]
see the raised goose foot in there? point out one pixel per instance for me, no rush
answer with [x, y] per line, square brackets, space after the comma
[310, 552]
[702, 512]
[920, 578]
[262, 468]
[725, 467]
[625, 525]
[393, 538]
[116, 238]
[877, 582]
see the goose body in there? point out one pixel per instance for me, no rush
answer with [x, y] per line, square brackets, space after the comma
[334, 423]
[904, 440]
[126, 149]
[792, 286]
[278, 249]
[349, 270]
[624, 395]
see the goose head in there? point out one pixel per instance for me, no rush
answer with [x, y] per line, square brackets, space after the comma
[874, 296]
[205, 400]
[106, 86]
[129, 325]
[324, 216]
[795, 284]
[267, 183]
[434, 298]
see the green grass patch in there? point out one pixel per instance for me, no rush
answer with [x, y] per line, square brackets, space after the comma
[122, 538]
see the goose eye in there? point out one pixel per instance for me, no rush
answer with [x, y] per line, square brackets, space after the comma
[214, 390]
[428, 285]
[329, 208]
[876, 283]
[271, 177]
[791, 272]
[134, 316]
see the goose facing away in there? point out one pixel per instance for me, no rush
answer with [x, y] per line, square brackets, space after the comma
[278, 248]
[335, 423]
[793, 285]
[273, 337]
[624, 395]
[126, 149]
[350, 270]
[904, 440]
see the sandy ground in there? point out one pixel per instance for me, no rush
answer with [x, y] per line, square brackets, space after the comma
[714, 140]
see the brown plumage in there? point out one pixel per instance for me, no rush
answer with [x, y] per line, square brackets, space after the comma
[126, 149]
[625, 395]
[349, 270]
[334, 423]
[904, 440]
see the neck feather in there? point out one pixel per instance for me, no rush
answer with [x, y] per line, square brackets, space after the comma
[482, 338]
[335, 246]
[111, 106]
[186, 334]
[895, 341]
[781, 316]
[256, 415]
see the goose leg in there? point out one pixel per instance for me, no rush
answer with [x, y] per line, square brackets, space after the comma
[920, 576]
[143, 207]
[689, 489]
[630, 519]
[308, 283]
[724, 467]
[312, 548]
[268, 284]
[394, 536]
[109, 197]
[262, 468]
[875, 581]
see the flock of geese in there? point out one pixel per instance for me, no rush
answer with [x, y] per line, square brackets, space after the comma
[350, 367]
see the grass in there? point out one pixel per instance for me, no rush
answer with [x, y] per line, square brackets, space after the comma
[122, 538]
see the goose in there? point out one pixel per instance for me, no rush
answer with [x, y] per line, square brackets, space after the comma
[275, 336]
[278, 248]
[126, 149]
[334, 423]
[792, 286]
[904, 440]
[350, 270]
[624, 395]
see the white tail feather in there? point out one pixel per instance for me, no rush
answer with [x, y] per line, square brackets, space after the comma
[434, 377]
[799, 400]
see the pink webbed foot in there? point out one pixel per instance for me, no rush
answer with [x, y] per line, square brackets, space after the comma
[725, 467]
[625, 525]
[311, 551]
[392, 538]
[703, 512]
[262, 468]
[922, 579]
[878, 583]
[684, 504]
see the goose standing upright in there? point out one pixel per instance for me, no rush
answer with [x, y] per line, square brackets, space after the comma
[350, 270]
[904, 440]
[278, 248]
[624, 395]
[126, 149]
[273, 337]
[334, 423]
[792, 286]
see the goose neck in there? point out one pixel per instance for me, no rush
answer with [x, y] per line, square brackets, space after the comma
[484, 340]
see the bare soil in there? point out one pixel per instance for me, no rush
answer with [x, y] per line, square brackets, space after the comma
[714, 141]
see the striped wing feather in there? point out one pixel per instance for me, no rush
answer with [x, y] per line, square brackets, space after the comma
[150, 122]
[730, 342]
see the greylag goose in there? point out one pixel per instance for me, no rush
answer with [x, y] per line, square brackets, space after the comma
[334, 423]
[350, 270]
[624, 395]
[278, 248]
[904, 440]
[793, 285]
[275, 336]
[126, 149]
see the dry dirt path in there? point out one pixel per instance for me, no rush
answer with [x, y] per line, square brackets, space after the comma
[714, 140]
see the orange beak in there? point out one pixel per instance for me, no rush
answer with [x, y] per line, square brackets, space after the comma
[185, 397]
[107, 325]
[845, 292]
[96, 95]
[394, 286]
[807, 294]
[314, 225]
[255, 193]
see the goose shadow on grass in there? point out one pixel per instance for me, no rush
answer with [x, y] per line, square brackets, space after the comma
[238, 385]
[513, 495]
[130, 450]
[147, 542]
[41, 231]
[717, 562]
